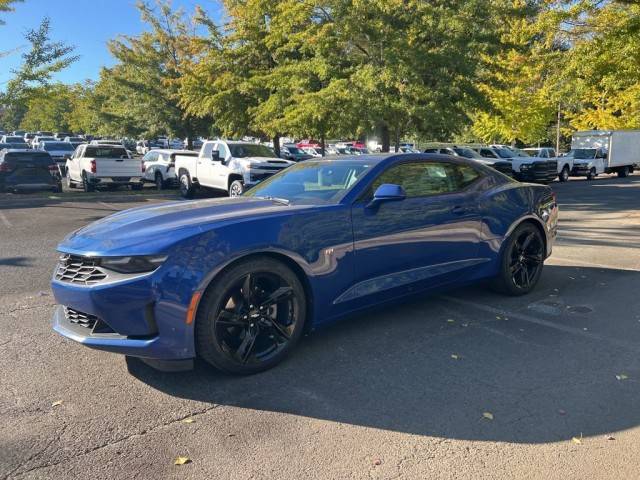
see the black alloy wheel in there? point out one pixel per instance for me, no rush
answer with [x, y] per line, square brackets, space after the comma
[522, 261]
[251, 317]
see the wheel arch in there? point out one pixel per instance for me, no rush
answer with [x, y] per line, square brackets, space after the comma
[232, 178]
[291, 263]
[533, 220]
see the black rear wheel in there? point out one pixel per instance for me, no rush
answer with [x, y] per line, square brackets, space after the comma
[623, 172]
[159, 181]
[251, 317]
[522, 261]
[186, 187]
[86, 184]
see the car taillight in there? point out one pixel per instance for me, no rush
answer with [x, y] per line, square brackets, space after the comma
[142, 164]
[4, 167]
[53, 167]
[93, 166]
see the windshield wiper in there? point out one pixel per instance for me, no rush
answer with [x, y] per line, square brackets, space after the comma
[282, 201]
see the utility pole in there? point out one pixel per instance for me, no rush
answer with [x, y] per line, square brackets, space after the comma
[558, 132]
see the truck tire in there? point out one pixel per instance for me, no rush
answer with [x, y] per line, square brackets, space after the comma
[564, 174]
[236, 188]
[623, 172]
[159, 181]
[86, 184]
[136, 186]
[186, 186]
[592, 174]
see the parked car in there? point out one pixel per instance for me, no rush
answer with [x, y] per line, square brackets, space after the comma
[238, 281]
[59, 151]
[159, 166]
[232, 167]
[605, 151]
[503, 166]
[62, 135]
[313, 151]
[75, 141]
[11, 139]
[145, 146]
[28, 170]
[293, 153]
[28, 137]
[15, 146]
[19, 133]
[38, 139]
[524, 168]
[116, 143]
[106, 165]
[564, 164]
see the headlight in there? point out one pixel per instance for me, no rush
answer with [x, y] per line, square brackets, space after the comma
[137, 264]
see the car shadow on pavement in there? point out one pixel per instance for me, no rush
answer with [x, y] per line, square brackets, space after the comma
[16, 262]
[473, 365]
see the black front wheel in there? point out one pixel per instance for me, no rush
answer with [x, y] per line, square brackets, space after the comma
[251, 317]
[522, 261]
[159, 181]
[564, 174]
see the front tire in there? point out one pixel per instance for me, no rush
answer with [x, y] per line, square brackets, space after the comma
[159, 181]
[521, 262]
[236, 188]
[592, 174]
[564, 174]
[251, 317]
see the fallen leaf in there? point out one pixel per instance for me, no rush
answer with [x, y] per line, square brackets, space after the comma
[454, 356]
[498, 317]
[611, 437]
[231, 434]
[488, 415]
[556, 290]
[622, 376]
[465, 324]
[451, 320]
[572, 278]
[377, 461]
[562, 412]
[577, 440]
[56, 403]
[182, 461]
[188, 420]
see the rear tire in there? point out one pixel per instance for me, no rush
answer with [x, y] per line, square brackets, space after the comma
[186, 186]
[522, 260]
[250, 317]
[623, 172]
[86, 185]
[564, 174]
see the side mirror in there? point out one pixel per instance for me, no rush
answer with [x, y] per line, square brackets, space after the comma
[215, 156]
[387, 192]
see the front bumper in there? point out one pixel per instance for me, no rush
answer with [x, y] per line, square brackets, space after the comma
[130, 317]
[580, 170]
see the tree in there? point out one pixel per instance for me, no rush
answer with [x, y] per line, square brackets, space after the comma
[44, 59]
[7, 6]
[141, 91]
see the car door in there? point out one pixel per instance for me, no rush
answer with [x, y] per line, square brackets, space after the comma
[220, 169]
[423, 241]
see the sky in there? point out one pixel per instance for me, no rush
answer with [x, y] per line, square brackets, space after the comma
[85, 24]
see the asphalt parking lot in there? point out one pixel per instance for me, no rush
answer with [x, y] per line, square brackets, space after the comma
[467, 385]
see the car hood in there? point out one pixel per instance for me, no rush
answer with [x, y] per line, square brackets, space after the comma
[154, 229]
[263, 160]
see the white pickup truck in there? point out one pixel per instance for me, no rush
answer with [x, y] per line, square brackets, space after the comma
[229, 166]
[104, 165]
[604, 151]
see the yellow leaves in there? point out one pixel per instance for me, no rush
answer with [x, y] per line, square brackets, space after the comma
[455, 356]
[188, 420]
[488, 415]
[577, 440]
[57, 403]
[182, 461]
[450, 320]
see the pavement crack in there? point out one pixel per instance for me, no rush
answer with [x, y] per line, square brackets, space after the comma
[31, 307]
[120, 440]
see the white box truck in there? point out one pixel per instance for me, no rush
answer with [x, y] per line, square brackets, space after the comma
[605, 151]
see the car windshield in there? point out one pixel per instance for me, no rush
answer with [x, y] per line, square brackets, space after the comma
[38, 158]
[582, 153]
[14, 139]
[105, 152]
[294, 150]
[504, 153]
[244, 150]
[312, 182]
[75, 139]
[58, 146]
[467, 152]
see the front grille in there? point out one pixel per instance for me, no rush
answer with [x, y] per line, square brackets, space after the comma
[79, 318]
[77, 269]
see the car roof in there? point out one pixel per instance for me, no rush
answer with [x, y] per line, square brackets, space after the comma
[172, 150]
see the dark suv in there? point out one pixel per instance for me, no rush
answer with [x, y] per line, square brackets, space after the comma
[22, 170]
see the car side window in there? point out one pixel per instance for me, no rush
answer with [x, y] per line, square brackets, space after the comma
[421, 179]
[485, 152]
[224, 151]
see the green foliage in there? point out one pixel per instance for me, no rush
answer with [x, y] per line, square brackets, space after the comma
[7, 6]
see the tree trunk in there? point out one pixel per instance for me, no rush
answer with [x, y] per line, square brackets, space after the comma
[276, 144]
[386, 140]
[322, 144]
[397, 139]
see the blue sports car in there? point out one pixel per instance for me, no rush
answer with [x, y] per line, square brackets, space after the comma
[237, 281]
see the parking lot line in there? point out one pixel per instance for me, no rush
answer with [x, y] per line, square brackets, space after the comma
[5, 220]
[109, 206]
[544, 323]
